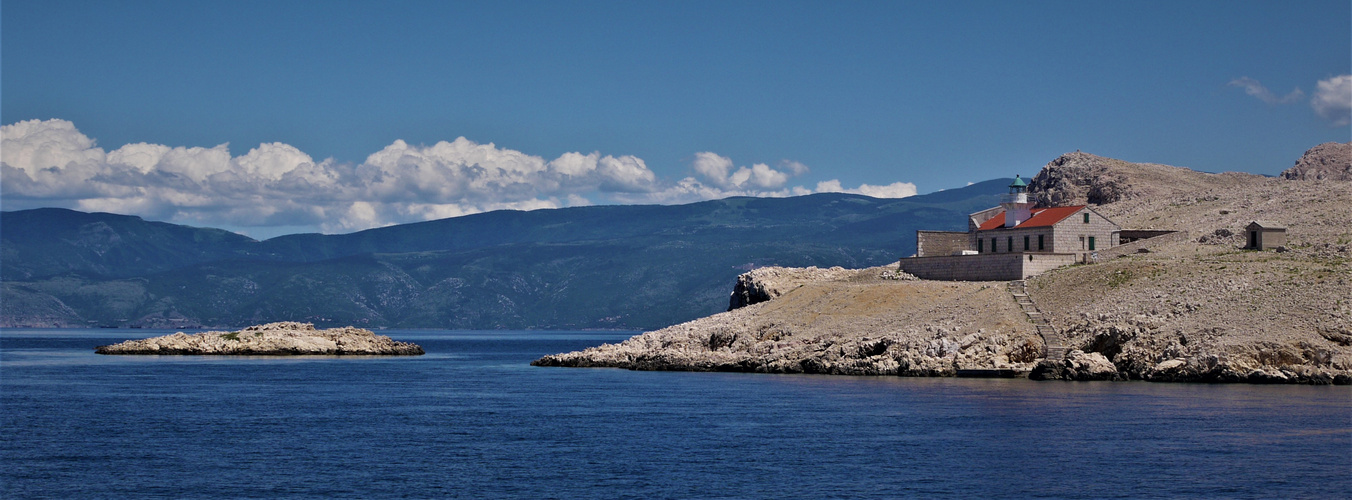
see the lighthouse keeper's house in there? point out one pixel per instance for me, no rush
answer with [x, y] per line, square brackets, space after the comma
[1013, 241]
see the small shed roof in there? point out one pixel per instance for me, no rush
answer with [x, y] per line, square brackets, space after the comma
[1264, 224]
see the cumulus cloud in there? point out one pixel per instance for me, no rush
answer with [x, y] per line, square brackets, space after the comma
[718, 171]
[893, 190]
[51, 163]
[1333, 100]
[1253, 88]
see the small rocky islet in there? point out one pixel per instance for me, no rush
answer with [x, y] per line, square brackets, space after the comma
[287, 338]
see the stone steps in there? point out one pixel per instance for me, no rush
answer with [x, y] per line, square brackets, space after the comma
[1055, 345]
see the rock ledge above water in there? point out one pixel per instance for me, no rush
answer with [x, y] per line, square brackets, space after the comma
[273, 339]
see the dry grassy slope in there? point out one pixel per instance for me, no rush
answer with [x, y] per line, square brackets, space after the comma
[1318, 214]
[1206, 310]
[856, 324]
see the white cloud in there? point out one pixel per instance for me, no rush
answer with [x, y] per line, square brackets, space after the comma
[50, 163]
[893, 190]
[1253, 88]
[718, 171]
[1333, 100]
[713, 167]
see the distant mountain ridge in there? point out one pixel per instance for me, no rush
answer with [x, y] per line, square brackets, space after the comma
[626, 266]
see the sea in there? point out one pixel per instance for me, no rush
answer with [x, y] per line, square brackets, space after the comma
[472, 419]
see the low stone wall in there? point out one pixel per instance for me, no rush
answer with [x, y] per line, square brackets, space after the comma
[1135, 246]
[1131, 235]
[985, 267]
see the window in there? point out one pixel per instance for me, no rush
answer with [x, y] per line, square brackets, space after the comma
[993, 250]
[980, 245]
[1039, 242]
[1009, 244]
[1091, 242]
[1025, 243]
[1086, 217]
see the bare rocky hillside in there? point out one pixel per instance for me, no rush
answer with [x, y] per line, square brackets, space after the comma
[1082, 178]
[1195, 310]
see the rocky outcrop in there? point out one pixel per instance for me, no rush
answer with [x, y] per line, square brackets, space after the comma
[1330, 160]
[272, 339]
[1078, 178]
[1078, 365]
[762, 284]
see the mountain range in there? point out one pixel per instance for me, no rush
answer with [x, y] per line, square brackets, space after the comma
[620, 267]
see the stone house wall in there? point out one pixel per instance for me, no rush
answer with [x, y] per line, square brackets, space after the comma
[936, 243]
[1072, 233]
[1268, 238]
[1002, 239]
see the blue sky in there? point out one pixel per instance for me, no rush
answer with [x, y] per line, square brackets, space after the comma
[884, 98]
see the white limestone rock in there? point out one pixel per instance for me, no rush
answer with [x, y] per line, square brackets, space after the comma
[272, 339]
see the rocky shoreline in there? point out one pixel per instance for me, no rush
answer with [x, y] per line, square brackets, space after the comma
[272, 339]
[838, 322]
[795, 332]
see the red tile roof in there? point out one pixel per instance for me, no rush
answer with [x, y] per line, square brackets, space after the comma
[1042, 217]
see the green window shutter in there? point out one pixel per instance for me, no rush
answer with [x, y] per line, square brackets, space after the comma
[1009, 244]
[1039, 242]
[1091, 242]
[980, 245]
[1086, 217]
[1025, 243]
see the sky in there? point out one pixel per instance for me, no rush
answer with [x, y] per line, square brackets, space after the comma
[276, 117]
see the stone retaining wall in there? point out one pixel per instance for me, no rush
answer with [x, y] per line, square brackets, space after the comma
[985, 267]
[1135, 246]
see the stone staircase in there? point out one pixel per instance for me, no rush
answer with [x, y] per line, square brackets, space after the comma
[1055, 345]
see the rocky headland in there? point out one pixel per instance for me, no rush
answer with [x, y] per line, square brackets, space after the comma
[843, 322]
[1330, 160]
[272, 339]
[1196, 310]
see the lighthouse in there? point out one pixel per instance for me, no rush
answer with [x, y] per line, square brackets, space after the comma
[1016, 204]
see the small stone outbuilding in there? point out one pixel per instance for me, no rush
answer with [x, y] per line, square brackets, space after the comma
[1265, 235]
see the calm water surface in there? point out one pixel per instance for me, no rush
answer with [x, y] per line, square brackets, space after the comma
[473, 419]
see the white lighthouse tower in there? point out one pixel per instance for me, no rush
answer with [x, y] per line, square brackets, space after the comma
[1016, 205]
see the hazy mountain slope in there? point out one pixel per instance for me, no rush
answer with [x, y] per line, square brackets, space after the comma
[606, 266]
[52, 241]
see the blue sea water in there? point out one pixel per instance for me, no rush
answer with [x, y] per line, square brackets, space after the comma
[473, 419]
